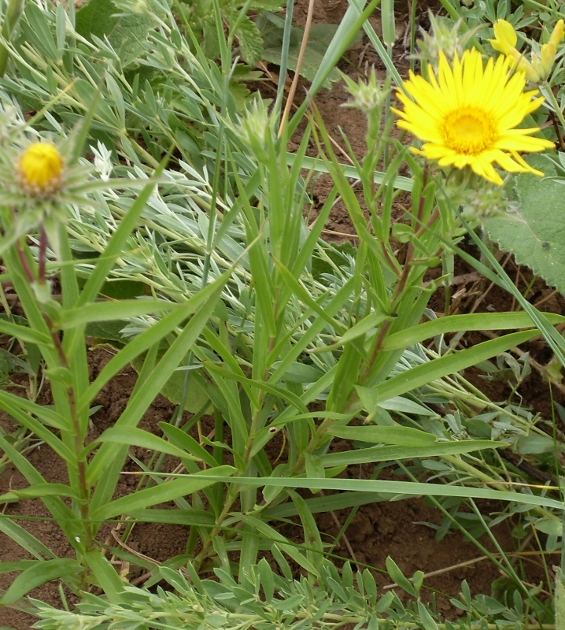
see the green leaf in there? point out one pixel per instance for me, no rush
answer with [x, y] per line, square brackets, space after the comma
[149, 337]
[360, 329]
[195, 398]
[535, 444]
[105, 574]
[109, 311]
[250, 41]
[398, 577]
[174, 517]
[40, 490]
[267, 580]
[174, 489]
[274, 536]
[14, 404]
[127, 33]
[345, 378]
[425, 617]
[187, 443]
[312, 539]
[107, 331]
[535, 231]
[319, 40]
[325, 504]
[438, 368]
[456, 323]
[142, 398]
[370, 400]
[388, 453]
[405, 436]
[315, 164]
[63, 514]
[139, 437]
[396, 488]
[122, 289]
[20, 565]
[116, 244]
[35, 30]
[24, 539]
[549, 526]
[405, 405]
[40, 573]
[23, 334]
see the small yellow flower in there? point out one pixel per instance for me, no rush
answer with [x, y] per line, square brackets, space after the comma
[505, 37]
[541, 65]
[557, 34]
[505, 42]
[468, 116]
[39, 169]
[549, 50]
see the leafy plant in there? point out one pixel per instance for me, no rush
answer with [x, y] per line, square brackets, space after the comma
[203, 16]
[213, 286]
[320, 37]
[267, 600]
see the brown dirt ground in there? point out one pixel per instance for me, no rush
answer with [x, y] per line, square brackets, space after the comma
[397, 529]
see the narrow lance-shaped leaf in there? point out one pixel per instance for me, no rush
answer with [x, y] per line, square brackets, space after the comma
[161, 494]
[139, 403]
[40, 490]
[138, 437]
[107, 311]
[151, 336]
[397, 488]
[38, 574]
[438, 368]
[457, 323]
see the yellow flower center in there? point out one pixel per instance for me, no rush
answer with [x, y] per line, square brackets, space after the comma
[39, 169]
[468, 131]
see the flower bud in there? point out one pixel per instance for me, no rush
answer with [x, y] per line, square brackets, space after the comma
[557, 34]
[444, 39]
[256, 129]
[549, 50]
[39, 170]
[367, 97]
[531, 70]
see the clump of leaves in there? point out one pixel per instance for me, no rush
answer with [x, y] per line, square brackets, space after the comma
[202, 17]
[270, 601]
[319, 39]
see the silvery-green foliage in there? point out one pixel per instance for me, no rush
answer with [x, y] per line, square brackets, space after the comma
[265, 600]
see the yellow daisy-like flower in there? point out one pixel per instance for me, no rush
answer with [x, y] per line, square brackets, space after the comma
[39, 169]
[468, 114]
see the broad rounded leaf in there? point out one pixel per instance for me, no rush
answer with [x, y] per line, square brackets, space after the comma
[535, 230]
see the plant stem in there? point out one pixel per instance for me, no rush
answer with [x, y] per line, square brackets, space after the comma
[84, 494]
[42, 257]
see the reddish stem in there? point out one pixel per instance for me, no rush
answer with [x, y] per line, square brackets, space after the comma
[42, 254]
[25, 264]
